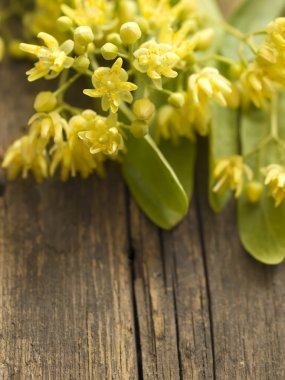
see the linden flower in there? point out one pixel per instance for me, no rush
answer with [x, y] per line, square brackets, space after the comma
[97, 14]
[204, 87]
[166, 11]
[256, 86]
[172, 124]
[47, 125]
[276, 32]
[24, 156]
[271, 60]
[182, 45]
[73, 156]
[53, 58]
[43, 16]
[229, 174]
[151, 8]
[156, 60]
[275, 180]
[88, 12]
[111, 85]
[209, 84]
[103, 136]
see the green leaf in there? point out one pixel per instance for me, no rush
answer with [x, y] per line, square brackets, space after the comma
[223, 142]
[261, 228]
[252, 15]
[153, 183]
[261, 225]
[182, 158]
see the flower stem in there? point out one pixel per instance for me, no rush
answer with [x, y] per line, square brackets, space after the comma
[67, 84]
[274, 118]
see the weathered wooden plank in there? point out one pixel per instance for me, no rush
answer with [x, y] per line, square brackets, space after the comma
[246, 300]
[247, 305]
[171, 300]
[186, 276]
[65, 280]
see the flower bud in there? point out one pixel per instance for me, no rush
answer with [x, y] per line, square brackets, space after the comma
[91, 48]
[89, 114]
[143, 23]
[205, 38]
[114, 38]
[127, 10]
[81, 63]
[177, 99]
[253, 191]
[143, 109]
[109, 51]
[64, 23]
[235, 71]
[130, 32]
[45, 101]
[83, 35]
[139, 129]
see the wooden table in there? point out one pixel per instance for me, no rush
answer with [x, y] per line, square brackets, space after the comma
[90, 289]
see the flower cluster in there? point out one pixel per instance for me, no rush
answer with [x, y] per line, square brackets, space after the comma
[151, 70]
[230, 174]
[261, 78]
[275, 179]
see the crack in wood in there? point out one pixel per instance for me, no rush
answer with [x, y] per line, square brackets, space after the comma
[207, 279]
[132, 258]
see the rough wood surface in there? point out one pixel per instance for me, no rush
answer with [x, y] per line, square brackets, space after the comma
[247, 305]
[171, 300]
[65, 279]
[90, 289]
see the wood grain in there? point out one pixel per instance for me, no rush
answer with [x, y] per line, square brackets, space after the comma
[66, 295]
[246, 298]
[171, 300]
[247, 305]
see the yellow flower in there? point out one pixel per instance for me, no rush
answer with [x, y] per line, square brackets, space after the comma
[209, 84]
[24, 156]
[102, 135]
[229, 174]
[276, 32]
[97, 14]
[156, 60]
[173, 124]
[182, 44]
[256, 86]
[86, 12]
[42, 17]
[46, 126]
[150, 9]
[204, 87]
[275, 180]
[111, 85]
[271, 61]
[73, 155]
[53, 58]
